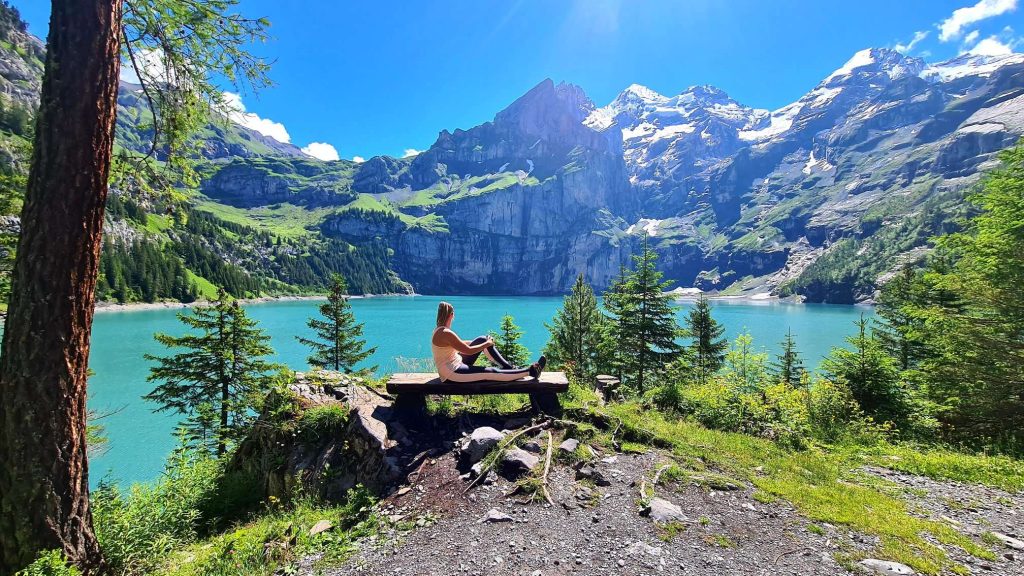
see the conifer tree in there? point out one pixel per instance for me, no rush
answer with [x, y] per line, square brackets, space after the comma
[616, 303]
[967, 312]
[222, 366]
[507, 341]
[788, 367]
[646, 329]
[577, 331]
[709, 346]
[744, 368]
[338, 345]
[871, 374]
[901, 333]
[44, 472]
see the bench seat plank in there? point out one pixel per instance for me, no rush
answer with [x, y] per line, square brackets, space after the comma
[430, 383]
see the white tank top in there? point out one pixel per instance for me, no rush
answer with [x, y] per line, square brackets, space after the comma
[446, 359]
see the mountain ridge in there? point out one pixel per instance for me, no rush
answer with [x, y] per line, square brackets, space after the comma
[821, 197]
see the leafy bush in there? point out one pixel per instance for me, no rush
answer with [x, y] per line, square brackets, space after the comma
[835, 416]
[277, 538]
[50, 563]
[775, 411]
[136, 529]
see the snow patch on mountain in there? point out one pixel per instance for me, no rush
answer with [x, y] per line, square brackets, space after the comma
[813, 163]
[860, 59]
[781, 121]
[968, 65]
[647, 225]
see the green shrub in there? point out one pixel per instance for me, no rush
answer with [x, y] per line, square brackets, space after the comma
[320, 421]
[775, 411]
[50, 563]
[836, 417]
[137, 528]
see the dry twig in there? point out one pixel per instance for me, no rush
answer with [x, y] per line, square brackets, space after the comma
[505, 444]
[547, 468]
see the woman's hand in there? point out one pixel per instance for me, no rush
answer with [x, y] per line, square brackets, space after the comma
[490, 342]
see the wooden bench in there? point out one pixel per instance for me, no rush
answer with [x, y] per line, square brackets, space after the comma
[411, 388]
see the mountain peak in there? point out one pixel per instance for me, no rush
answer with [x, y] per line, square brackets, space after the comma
[877, 61]
[642, 92]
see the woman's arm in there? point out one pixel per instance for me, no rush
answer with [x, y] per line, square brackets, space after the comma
[451, 339]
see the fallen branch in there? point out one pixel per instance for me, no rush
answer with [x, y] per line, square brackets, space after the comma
[505, 444]
[788, 552]
[547, 468]
[657, 475]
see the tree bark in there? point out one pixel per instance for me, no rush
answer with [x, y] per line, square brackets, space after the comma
[44, 478]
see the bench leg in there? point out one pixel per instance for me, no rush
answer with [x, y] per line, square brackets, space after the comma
[546, 403]
[410, 405]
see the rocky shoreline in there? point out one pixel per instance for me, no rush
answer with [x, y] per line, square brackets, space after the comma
[140, 306]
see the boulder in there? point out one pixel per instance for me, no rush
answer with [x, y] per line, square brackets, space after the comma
[518, 461]
[662, 511]
[359, 452]
[874, 566]
[1009, 541]
[569, 445]
[480, 442]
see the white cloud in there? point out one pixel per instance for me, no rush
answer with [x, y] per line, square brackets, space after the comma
[151, 66]
[321, 150]
[235, 110]
[971, 37]
[410, 152]
[358, 159]
[952, 27]
[991, 46]
[906, 48]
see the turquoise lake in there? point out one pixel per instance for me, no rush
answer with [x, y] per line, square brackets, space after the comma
[400, 327]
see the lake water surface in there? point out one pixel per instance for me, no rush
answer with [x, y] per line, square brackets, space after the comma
[140, 440]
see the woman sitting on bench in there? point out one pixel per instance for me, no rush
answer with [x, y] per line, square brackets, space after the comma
[455, 358]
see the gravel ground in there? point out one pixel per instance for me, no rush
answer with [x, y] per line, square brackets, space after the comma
[972, 510]
[595, 532]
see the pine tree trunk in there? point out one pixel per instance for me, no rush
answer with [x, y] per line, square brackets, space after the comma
[44, 479]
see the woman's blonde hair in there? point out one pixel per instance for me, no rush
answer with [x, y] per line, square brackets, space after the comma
[444, 312]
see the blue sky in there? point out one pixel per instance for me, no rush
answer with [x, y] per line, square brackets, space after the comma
[381, 77]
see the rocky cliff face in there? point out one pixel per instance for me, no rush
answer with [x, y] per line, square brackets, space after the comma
[528, 230]
[263, 181]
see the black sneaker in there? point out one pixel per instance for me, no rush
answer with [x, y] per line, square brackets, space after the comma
[538, 367]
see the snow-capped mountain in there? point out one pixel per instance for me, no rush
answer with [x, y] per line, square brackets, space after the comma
[822, 197]
[673, 137]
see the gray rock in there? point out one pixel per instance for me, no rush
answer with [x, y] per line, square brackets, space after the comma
[519, 461]
[359, 451]
[664, 512]
[1009, 541]
[884, 567]
[569, 445]
[532, 447]
[494, 515]
[643, 548]
[321, 526]
[477, 469]
[589, 472]
[480, 443]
